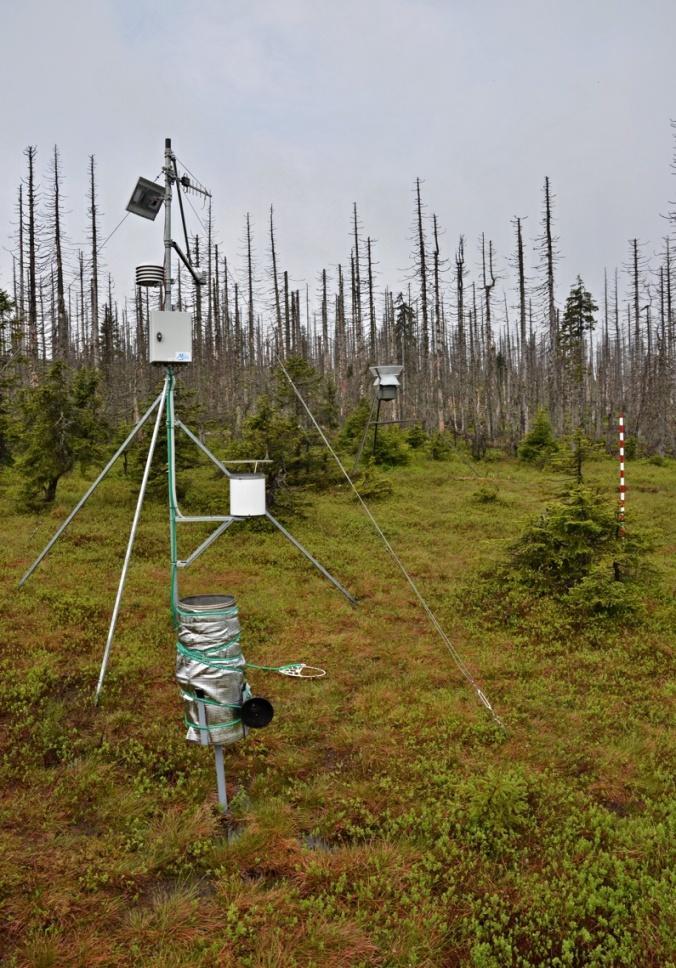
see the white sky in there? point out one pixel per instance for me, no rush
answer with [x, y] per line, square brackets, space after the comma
[312, 104]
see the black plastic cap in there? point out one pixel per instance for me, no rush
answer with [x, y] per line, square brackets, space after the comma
[257, 712]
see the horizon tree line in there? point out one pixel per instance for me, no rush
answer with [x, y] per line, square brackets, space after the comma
[479, 358]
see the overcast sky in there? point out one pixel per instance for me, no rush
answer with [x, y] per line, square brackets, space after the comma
[313, 104]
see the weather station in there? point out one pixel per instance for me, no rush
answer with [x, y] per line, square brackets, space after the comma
[386, 387]
[219, 706]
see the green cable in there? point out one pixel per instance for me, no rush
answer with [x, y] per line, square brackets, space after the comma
[210, 702]
[289, 665]
[171, 474]
[176, 610]
[196, 653]
[205, 658]
[209, 661]
[190, 725]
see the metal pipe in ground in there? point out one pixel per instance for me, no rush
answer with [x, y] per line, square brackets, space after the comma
[220, 778]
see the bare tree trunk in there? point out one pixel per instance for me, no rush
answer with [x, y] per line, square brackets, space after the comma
[94, 322]
[209, 329]
[84, 335]
[275, 285]
[21, 303]
[251, 347]
[670, 313]
[460, 349]
[372, 307]
[238, 331]
[41, 322]
[287, 320]
[62, 342]
[553, 367]
[356, 289]
[438, 339]
[30, 153]
[325, 322]
[339, 343]
[523, 341]
[488, 283]
[227, 329]
[422, 269]
[216, 301]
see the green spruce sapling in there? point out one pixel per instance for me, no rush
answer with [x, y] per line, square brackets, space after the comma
[61, 425]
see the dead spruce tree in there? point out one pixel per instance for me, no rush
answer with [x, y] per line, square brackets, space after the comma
[479, 362]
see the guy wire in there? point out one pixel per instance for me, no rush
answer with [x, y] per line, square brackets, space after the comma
[481, 695]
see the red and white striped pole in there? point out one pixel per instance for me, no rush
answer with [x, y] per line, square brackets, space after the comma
[622, 488]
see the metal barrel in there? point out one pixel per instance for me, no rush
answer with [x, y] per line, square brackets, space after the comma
[210, 668]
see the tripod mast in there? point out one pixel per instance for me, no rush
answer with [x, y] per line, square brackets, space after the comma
[168, 159]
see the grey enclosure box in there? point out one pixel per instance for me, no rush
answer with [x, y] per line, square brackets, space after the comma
[386, 380]
[170, 337]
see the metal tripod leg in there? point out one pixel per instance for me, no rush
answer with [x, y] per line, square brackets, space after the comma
[303, 551]
[130, 544]
[89, 492]
[363, 440]
[203, 448]
[375, 428]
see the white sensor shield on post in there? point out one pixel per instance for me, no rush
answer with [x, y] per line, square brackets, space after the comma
[247, 495]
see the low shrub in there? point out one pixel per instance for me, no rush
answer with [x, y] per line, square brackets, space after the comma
[373, 485]
[417, 437]
[573, 557]
[539, 444]
[391, 448]
[441, 446]
[487, 494]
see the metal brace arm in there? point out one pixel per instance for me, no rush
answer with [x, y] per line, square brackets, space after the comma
[197, 276]
[289, 537]
[203, 448]
[205, 544]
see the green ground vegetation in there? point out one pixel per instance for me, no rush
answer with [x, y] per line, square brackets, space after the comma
[382, 819]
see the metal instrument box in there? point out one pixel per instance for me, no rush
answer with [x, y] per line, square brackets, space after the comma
[170, 337]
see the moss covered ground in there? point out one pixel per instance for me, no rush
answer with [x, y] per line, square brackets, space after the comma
[382, 819]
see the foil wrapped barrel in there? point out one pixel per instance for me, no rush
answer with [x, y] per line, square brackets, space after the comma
[210, 668]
